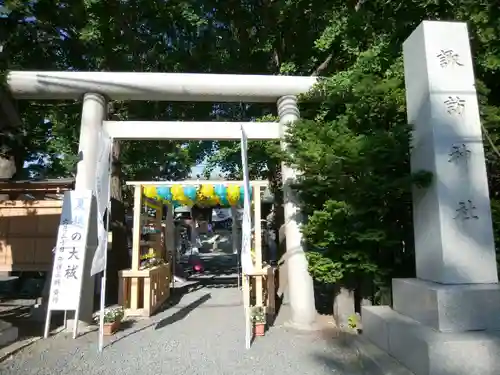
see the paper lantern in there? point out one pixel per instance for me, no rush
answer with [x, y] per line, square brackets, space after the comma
[190, 193]
[207, 191]
[233, 194]
[178, 194]
[164, 192]
[150, 192]
[242, 194]
[220, 192]
[206, 195]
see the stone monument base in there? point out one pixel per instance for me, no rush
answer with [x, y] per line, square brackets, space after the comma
[8, 333]
[446, 307]
[425, 351]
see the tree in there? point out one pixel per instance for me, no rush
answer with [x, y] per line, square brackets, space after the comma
[98, 35]
[354, 150]
[354, 145]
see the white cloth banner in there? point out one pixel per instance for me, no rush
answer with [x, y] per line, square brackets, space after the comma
[69, 255]
[102, 192]
[246, 225]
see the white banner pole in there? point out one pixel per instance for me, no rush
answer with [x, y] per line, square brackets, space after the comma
[246, 243]
[105, 255]
[103, 287]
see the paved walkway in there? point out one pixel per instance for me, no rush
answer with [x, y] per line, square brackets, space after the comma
[202, 334]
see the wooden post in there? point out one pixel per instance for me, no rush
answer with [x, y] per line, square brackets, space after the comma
[143, 291]
[137, 228]
[136, 248]
[158, 236]
[170, 234]
[258, 245]
[271, 292]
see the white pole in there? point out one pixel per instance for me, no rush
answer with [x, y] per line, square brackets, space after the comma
[47, 324]
[246, 240]
[246, 303]
[234, 233]
[103, 287]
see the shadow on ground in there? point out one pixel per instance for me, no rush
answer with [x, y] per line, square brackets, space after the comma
[183, 312]
[18, 296]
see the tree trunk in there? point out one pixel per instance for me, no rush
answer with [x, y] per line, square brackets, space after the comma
[7, 169]
[11, 150]
[118, 258]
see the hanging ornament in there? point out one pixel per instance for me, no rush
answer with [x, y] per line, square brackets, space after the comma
[164, 192]
[190, 192]
[220, 192]
[242, 194]
[233, 194]
[150, 192]
[190, 196]
[178, 194]
[206, 195]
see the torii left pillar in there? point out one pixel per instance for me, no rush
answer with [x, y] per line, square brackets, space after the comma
[94, 113]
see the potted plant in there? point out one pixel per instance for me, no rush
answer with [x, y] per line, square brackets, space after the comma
[259, 320]
[112, 319]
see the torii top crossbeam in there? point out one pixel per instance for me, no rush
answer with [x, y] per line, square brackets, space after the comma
[156, 86]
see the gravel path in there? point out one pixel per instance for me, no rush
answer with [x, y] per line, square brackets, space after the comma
[207, 339]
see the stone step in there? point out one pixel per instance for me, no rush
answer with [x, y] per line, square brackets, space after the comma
[425, 351]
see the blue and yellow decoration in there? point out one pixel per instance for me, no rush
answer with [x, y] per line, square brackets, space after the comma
[221, 195]
[242, 195]
[164, 192]
[205, 195]
[150, 192]
[233, 194]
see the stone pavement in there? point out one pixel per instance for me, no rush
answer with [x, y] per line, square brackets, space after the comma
[202, 334]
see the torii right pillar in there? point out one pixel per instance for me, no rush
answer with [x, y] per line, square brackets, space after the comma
[447, 320]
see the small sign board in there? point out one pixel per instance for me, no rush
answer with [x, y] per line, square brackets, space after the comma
[69, 254]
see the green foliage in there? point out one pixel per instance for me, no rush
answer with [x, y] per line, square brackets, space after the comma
[258, 314]
[356, 186]
[92, 35]
[354, 153]
[353, 321]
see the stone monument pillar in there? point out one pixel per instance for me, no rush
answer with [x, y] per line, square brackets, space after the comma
[444, 321]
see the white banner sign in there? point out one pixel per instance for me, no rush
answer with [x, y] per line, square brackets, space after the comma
[246, 225]
[102, 191]
[69, 256]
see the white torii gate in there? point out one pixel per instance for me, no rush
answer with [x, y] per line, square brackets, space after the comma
[97, 88]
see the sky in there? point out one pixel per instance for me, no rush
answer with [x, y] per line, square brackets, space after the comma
[198, 170]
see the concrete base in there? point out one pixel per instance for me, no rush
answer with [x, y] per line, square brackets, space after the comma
[8, 333]
[425, 351]
[448, 308]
